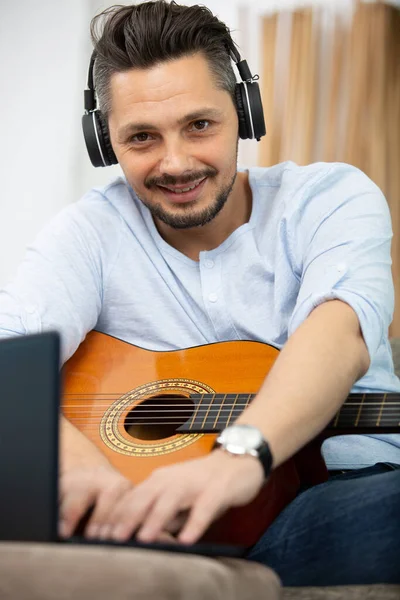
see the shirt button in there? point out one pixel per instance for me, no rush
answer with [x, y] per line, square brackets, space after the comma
[341, 267]
[209, 263]
[213, 297]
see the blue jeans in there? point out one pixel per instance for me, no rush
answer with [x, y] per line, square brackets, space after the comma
[341, 532]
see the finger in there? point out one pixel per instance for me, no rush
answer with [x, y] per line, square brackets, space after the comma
[166, 538]
[64, 486]
[105, 504]
[130, 512]
[203, 513]
[166, 508]
[177, 523]
[73, 507]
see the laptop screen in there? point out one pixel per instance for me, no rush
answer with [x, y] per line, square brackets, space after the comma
[29, 400]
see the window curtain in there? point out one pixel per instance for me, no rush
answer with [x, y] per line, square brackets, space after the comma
[331, 92]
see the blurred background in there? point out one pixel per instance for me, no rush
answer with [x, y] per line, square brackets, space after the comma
[330, 80]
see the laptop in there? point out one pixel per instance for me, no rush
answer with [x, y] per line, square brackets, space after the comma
[30, 386]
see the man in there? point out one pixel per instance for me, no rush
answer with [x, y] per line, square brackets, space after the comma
[185, 251]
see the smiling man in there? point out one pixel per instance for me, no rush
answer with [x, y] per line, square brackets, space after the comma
[184, 250]
[171, 128]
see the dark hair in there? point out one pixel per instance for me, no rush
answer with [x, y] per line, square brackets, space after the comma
[146, 34]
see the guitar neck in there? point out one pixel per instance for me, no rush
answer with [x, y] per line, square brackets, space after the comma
[369, 413]
[360, 413]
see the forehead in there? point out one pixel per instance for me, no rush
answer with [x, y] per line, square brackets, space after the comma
[165, 90]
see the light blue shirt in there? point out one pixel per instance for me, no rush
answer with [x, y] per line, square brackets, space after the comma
[315, 233]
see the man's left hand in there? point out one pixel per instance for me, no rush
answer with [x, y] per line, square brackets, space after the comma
[202, 489]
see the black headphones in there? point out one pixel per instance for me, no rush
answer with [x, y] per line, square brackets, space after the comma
[248, 105]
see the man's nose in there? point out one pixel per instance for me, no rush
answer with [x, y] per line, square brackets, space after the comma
[176, 158]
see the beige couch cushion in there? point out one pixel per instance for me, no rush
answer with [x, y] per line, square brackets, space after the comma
[49, 572]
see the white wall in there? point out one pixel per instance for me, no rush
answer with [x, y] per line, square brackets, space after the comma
[41, 47]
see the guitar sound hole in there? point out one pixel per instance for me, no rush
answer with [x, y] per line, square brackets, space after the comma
[158, 417]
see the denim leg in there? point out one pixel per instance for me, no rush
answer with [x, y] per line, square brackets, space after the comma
[341, 532]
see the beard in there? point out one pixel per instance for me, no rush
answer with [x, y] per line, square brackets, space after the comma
[185, 216]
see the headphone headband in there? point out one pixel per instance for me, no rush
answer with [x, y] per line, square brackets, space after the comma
[242, 66]
[89, 93]
[248, 106]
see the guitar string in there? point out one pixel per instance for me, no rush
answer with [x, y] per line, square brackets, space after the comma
[214, 396]
[216, 403]
[388, 420]
[143, 407]
[140, 408]
[356, 399]
[346, 416]
[203, 429]
[346, 413]
[349, 418]
[216, 400]
[166, 417]
[141, 420]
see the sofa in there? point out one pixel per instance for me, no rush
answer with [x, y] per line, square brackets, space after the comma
[63, 572]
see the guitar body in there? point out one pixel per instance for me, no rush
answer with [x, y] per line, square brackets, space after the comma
[118, 394]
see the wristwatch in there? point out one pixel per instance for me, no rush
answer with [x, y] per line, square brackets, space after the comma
[245, 439]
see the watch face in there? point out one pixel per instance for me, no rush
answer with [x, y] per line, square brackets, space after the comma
[243, 436]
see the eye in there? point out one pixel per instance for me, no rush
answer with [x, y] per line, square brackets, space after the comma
[140, 137]
[200, 125]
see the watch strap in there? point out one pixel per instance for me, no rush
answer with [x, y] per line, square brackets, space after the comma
[263, 454]
[265, 458]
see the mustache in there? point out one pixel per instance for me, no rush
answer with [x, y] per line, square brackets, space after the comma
[172, 180]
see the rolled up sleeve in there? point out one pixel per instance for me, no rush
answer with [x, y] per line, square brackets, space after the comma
[341, 240]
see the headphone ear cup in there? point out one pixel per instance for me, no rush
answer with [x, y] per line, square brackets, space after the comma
[97, 140]
[242, 111]
[109, 153]
[256, 108]
[91, 139]
[250, 111]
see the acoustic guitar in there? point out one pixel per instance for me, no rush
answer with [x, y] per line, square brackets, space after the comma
[147, 409]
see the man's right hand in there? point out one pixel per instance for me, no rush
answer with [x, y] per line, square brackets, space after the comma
[82, 488]
[88, 480]
[99, 487]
